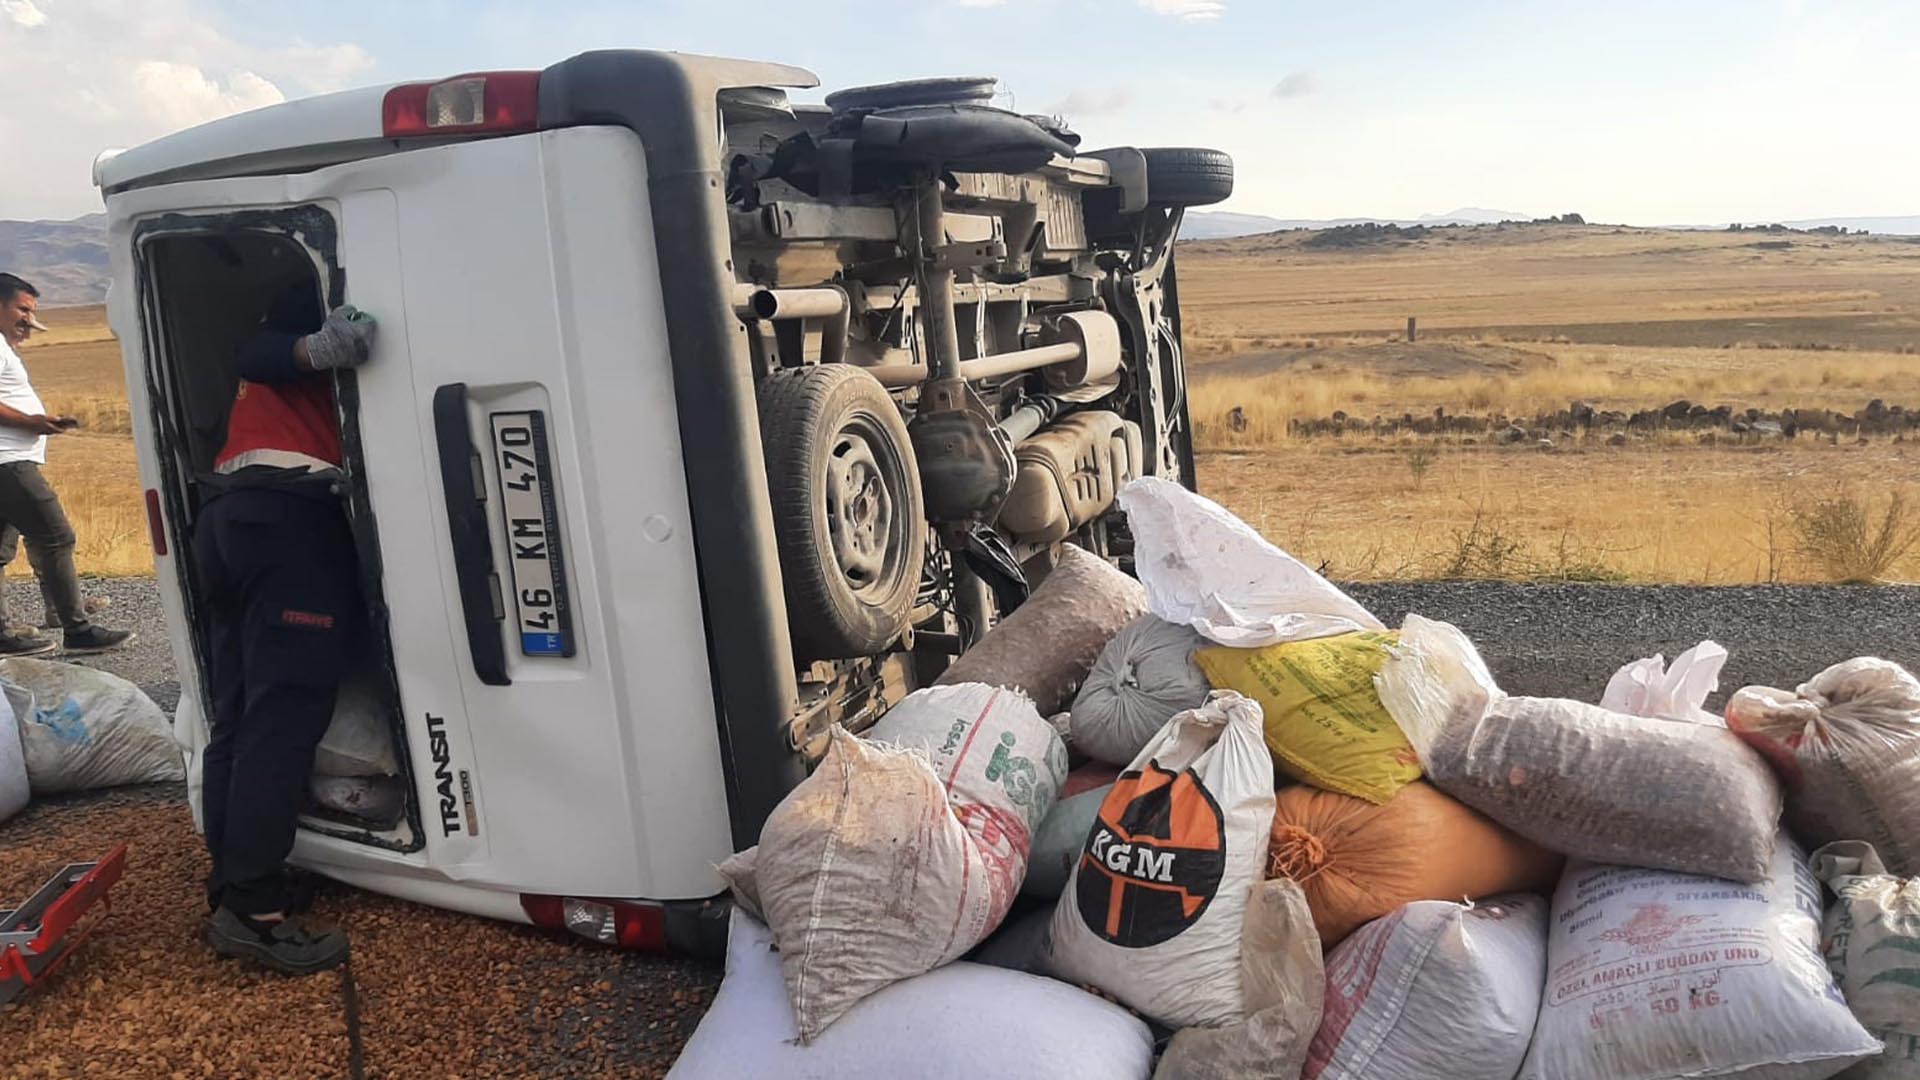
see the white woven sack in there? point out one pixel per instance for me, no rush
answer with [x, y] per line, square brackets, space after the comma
[1154, 910]
[1654, 974]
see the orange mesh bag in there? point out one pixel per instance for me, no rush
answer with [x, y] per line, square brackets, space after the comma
[1357, 861]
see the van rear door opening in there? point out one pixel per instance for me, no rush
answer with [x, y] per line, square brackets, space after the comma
[209, 280]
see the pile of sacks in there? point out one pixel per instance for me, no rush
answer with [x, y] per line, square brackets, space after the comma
[1300, 843]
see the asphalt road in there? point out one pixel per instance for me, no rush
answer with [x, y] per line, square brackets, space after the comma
[1545, 640]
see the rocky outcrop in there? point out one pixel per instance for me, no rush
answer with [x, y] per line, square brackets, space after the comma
[1876, 418]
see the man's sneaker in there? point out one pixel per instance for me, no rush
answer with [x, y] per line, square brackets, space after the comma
[95, 639]
[93, 605]
[288, 946]
[24, 643]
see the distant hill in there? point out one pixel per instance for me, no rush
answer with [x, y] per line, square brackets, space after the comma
[1223, 225]
[65, 260]
[1474, 215]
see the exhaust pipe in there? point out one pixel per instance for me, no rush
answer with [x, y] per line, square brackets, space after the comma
[827, 302]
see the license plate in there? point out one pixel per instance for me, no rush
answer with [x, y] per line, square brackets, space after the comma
[533, 533]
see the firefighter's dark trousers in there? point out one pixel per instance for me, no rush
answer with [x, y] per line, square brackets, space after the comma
[280, 576]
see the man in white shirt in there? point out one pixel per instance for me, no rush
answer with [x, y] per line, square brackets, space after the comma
[27, 501]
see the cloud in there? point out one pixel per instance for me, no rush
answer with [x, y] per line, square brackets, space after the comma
[1296, 84]
[1191, 10]
[1085, 102]
[23, 13]
[117, 73]
[1226, 105]
[181, 95]
[981, 3]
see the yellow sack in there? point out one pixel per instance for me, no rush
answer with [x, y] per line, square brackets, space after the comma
[1324, 721]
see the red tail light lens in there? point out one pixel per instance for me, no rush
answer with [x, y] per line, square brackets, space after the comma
[493, 102]
[625, 923]
[156, 525]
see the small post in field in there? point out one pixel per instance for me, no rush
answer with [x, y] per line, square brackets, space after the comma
[1410, 328]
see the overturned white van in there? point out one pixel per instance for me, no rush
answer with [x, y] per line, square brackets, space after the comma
[698, 421]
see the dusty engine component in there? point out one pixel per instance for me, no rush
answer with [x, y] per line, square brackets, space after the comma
[1098, 338]
[1069, 473]
[966, 461]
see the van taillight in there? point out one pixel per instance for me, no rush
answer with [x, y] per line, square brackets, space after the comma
[626, 923]
[484, 103]
[156, 525]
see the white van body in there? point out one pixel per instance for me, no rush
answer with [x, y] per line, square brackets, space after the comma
[513, 273]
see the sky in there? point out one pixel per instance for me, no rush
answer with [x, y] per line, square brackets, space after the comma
[1646, 112]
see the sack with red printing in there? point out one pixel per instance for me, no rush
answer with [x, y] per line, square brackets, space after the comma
[1434, 991]
[904, 850]
[1653, 974]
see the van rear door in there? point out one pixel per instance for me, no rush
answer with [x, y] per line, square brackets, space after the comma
[523, 466]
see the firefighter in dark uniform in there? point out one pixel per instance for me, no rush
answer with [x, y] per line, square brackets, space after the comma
[276, 561]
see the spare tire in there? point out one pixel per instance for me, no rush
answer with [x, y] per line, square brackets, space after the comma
[846, 509]
[1187, 176]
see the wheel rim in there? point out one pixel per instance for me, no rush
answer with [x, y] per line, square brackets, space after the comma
[864, 524]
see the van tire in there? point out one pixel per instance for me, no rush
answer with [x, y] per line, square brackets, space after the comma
[1187, 176]
[847, 509]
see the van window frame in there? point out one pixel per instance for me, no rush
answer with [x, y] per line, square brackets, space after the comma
[313, 229]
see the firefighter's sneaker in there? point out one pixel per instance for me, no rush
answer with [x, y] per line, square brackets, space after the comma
[289, 946]
[25, 643]
[94, 639]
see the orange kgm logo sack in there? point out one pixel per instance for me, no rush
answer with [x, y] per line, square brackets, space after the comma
[1153, 860]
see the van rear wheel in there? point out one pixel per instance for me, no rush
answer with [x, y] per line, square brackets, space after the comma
[846, 507]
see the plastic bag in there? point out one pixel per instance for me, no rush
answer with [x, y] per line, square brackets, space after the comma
[1144, 677]
[1872, 942]
[1847, 748]
[1324, 721]
[1576, 778]
[962, 1022]
[880, 866]
[359, 741]
[1019, 945]
[1650, 688]
[1058, 842]
[1154, 910]
[1358, 862]
[14, 789]
[90, 729]
[1047, 646]
[1654, 974]
[374, 798]
[1207, 569]
[1283, 979]
[1434, 991]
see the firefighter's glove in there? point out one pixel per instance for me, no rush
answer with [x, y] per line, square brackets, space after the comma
[343, 341]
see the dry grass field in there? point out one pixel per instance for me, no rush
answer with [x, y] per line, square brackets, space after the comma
[1522, 321]
[1514, 321]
